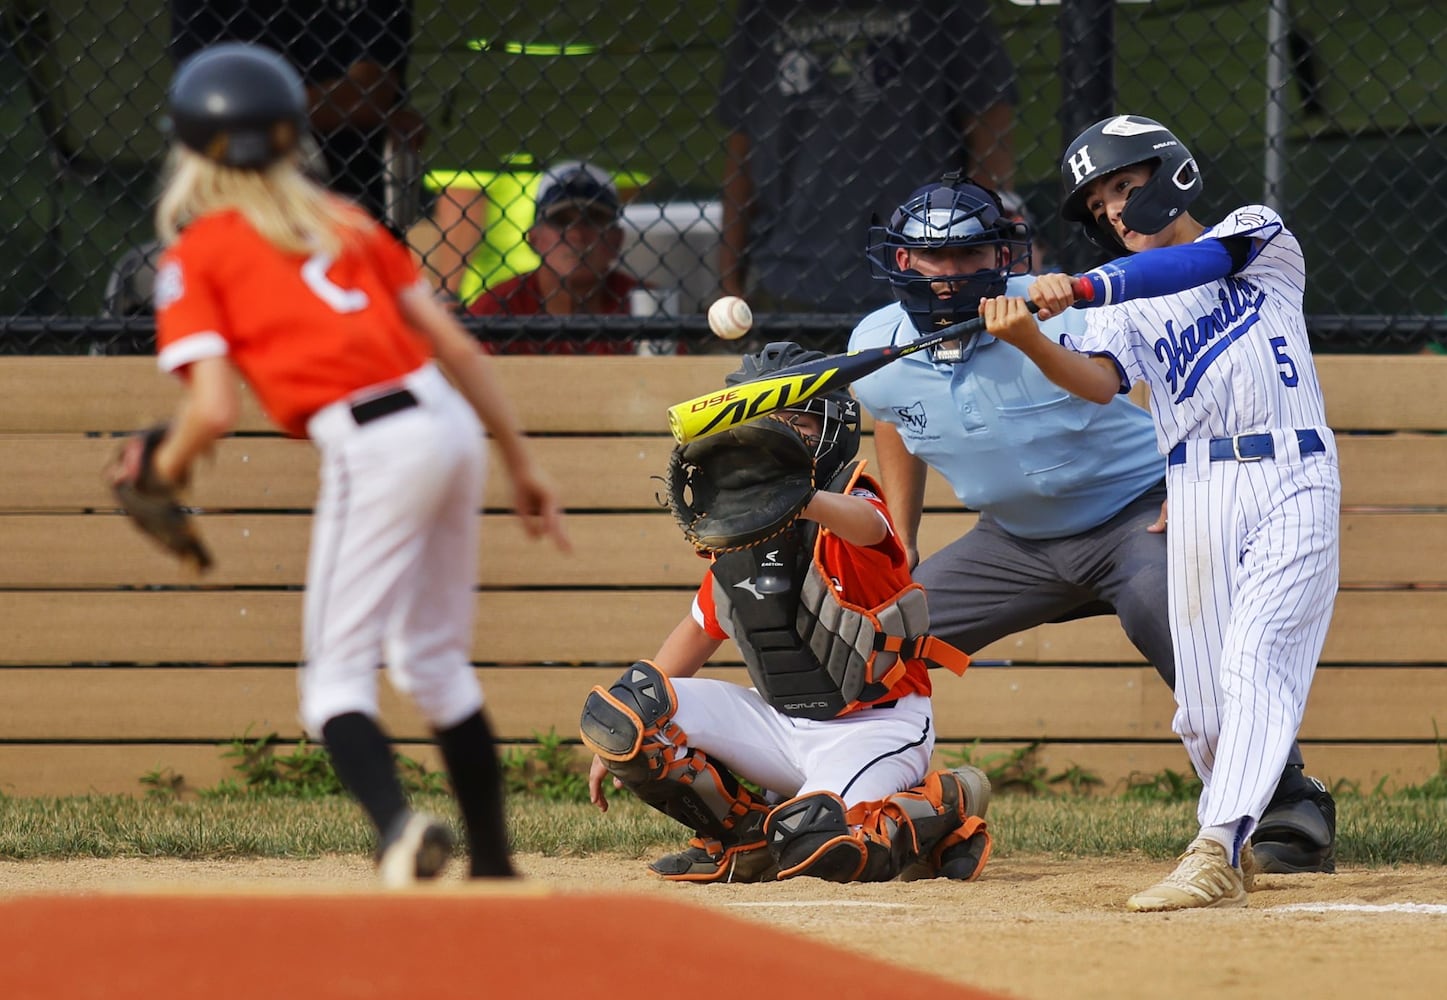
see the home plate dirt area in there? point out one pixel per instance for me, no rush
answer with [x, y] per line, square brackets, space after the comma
[603, 927]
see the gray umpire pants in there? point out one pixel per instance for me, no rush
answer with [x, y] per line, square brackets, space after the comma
[989, 584]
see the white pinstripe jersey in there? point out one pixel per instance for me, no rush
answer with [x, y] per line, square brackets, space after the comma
[1224, 358]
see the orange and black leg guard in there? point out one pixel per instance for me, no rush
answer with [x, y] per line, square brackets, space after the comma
[910, 825]
[962, 854]
[811, 835]
[630, 727]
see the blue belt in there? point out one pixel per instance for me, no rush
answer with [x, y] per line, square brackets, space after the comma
[1248, 448]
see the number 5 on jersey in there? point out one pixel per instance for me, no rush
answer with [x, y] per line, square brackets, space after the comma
[1288, 374]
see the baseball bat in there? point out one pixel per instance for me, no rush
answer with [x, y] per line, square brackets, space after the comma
[719, 410]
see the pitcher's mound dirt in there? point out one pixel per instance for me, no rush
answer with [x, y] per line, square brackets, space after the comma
[437, 943]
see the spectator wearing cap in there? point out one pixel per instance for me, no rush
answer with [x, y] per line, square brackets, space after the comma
[577, 238]
[476, 234]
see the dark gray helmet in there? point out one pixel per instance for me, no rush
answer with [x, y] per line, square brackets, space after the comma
[238, 105]
[956, 212]
[1114, 144]
[839, 410]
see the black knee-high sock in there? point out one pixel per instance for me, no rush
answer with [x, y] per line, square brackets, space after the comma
[362, 757]
[468, 748]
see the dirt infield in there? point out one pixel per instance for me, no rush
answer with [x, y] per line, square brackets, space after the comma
[1030, 927]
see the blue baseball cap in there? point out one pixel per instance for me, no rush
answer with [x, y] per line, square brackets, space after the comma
[575, 184]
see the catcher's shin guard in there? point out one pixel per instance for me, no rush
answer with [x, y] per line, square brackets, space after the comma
[745, 858]
[910, 825]
[630, 727]
[635, 708]
[962, 854]
[875, 841]
[811, 835]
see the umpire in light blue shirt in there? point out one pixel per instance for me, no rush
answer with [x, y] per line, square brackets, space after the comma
[1070, 493]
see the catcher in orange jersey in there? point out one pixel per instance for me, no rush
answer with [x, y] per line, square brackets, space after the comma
[322, 312]
[838, 727]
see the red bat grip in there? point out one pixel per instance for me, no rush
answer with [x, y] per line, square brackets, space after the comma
[1084, 289]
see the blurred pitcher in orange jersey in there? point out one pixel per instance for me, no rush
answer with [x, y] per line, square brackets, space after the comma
[268, 278]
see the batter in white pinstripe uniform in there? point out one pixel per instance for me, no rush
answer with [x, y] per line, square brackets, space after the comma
[1211, 319]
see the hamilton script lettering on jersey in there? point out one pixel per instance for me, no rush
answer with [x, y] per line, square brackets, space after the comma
[1182, 351]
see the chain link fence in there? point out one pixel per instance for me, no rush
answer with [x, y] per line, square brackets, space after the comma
[748, 143]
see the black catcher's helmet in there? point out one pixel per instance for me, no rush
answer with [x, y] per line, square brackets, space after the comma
[953, 213]
[839, 436]
[238, 105]
[1119, 142]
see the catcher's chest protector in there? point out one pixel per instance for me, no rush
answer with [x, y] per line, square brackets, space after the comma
[809, 653]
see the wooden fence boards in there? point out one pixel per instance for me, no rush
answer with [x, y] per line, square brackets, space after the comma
[114, 663]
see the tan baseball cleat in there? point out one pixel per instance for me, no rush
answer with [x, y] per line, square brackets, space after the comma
[1249, 868]
[1204, 878]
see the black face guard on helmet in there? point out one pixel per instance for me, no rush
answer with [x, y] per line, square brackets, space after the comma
[953, 213]
[1112, 145]
[238, 105]
[838, 410]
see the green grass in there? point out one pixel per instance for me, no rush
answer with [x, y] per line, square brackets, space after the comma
[289, 805]
[1373, 830]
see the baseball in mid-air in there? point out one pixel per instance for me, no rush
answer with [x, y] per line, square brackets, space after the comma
[730, 317]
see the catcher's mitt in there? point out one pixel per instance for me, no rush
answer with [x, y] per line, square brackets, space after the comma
[741, 486]
[151, 503]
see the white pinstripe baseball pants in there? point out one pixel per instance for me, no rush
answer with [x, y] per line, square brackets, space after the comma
[1254, 564]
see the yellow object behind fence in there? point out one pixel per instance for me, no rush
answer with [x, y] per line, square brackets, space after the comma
[510, 195]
